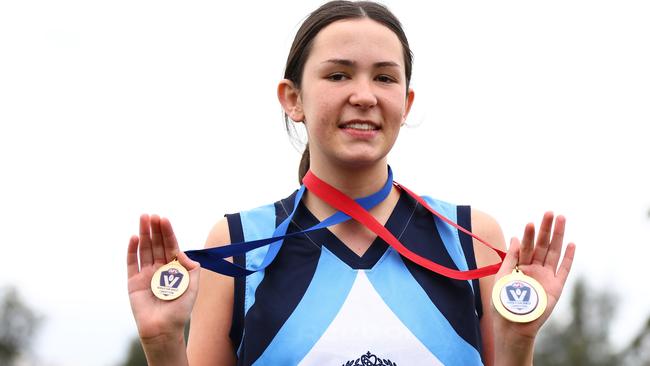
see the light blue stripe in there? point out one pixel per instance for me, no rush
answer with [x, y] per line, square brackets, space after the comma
[449, 234]
[410, 303]
[258, 223]
[323, 299]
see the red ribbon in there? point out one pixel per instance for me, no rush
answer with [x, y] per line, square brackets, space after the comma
[347, 205]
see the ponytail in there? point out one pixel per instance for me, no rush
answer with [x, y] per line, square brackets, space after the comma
[303, 168]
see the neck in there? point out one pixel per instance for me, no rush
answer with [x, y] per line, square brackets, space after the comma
[355, 182]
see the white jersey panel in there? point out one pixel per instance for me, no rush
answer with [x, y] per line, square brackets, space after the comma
[365, 325]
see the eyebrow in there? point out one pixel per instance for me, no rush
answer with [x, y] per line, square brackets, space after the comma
[345, 62]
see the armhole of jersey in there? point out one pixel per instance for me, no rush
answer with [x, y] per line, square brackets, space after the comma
[237, 326]
[465, 220]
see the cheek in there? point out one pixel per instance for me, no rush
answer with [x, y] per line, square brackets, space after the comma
[397, 107]
[320, 107]
[317, 114]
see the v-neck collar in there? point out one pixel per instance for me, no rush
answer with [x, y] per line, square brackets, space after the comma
[396, 224]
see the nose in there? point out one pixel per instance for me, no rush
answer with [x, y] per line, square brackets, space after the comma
[362, 94]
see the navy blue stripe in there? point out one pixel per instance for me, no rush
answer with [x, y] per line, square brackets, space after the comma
[464, 218]
[454, 298]
[284, 284]
[237, 327]
[465, 221]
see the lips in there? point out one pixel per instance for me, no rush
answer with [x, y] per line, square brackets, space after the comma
[360, 125]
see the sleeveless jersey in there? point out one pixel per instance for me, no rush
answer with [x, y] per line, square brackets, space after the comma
[319, 303]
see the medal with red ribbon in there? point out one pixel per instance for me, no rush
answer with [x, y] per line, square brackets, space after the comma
[519, 298]
[516, 297]
[214, 258]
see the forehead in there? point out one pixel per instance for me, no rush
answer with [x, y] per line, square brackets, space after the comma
[358, 40]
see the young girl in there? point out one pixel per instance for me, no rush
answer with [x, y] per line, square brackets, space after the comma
[341, 295]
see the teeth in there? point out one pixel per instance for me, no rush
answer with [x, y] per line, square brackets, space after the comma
[360, 126]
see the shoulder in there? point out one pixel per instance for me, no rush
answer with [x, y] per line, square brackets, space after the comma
[219, 234]
[487, 228]
[255, 223]
[231, 224]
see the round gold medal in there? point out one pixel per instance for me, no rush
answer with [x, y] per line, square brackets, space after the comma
[519, 298]
[170, 281]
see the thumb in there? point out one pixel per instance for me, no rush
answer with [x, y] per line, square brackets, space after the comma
[194, 269]
[187, 262]
[512, 257]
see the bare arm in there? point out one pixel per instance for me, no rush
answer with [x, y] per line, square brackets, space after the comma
[485, 227]
[513, 343]
[209, 341]
[160, 323]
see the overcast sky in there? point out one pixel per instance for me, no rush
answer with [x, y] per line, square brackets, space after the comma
[113, 109]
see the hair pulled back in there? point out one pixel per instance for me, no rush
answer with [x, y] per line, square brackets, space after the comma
[325, 15]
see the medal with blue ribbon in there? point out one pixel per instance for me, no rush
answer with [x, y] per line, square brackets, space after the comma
[170, 281]
[214, 258]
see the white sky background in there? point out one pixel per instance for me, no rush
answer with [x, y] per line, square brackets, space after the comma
[112, 109]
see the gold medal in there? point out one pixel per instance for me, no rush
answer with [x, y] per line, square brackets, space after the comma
[170, 281]
[519, 298]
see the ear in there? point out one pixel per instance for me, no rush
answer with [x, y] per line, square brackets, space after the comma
[289, 97]
[410, 95]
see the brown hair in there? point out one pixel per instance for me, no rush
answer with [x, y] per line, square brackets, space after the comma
[325, 15]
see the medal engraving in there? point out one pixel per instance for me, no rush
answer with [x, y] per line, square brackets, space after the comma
[170, 281]
[519, 298]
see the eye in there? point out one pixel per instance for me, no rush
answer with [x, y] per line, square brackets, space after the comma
[385, 79]
[339, 76]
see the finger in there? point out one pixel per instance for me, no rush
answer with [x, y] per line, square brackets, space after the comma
[527, 245]
[543, 239]
[132, 268]
[512, 257]
[194, 269]
[555, 248]
[146, 255]
[157, 242]
[169, 239]
[186, 262]
[567, 262]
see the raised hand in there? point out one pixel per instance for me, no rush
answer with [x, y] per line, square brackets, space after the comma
[538, 259]
[155, 246]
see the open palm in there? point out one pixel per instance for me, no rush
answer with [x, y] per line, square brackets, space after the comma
[156, 246]
[539, 259]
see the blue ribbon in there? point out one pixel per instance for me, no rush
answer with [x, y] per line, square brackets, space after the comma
[213, 258]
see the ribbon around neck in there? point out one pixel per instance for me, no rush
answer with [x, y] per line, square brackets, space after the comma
[343, 203]
[214, 258]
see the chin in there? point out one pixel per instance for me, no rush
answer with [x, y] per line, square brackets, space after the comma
[363, 161]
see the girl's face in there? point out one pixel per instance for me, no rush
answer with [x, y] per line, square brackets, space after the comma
[353, 98]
